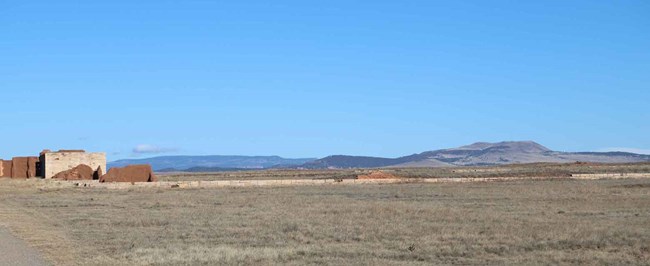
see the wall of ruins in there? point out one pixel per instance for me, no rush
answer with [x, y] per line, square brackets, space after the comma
[52, 163]
[19, 167]
[7, 166]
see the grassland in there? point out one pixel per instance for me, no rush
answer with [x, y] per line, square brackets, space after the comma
[556, 221]
[517, 170]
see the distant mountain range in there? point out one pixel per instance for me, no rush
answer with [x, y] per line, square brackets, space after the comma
[212, 163]
[477, 154]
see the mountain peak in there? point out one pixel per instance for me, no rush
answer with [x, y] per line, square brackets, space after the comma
[514, 146]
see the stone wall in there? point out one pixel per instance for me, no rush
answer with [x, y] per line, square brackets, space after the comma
[52, 163]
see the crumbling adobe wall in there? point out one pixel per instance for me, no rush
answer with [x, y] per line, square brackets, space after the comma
[130, 173]
[32, 167]
[23, 167]
[7, 168]
[52, 163]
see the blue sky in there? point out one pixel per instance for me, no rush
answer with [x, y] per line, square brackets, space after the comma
[314, 78]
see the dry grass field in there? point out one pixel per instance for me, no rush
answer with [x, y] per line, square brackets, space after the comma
[262, 175]
[557, 221]
[516, 170]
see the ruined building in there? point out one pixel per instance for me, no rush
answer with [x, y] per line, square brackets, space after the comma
[52, 163]
[73, 165]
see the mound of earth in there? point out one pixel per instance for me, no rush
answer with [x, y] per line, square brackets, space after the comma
[80, 172]
[131, 173]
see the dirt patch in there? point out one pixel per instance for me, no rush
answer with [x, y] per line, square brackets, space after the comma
[15, 252]
[32, 226]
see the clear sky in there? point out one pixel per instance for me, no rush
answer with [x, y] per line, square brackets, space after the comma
[314, 78]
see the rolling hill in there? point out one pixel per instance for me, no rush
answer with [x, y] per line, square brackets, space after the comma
[480, 153]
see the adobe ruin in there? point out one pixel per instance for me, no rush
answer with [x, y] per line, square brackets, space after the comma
[73, 165]
[5, 168]
[19, 167]
[130, 173]
[81, 172]
[53, 163]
